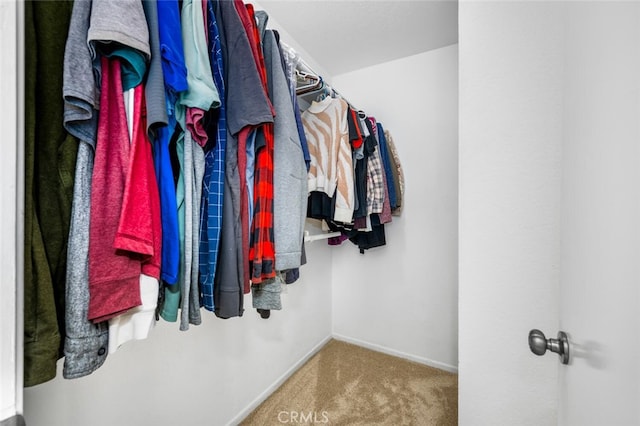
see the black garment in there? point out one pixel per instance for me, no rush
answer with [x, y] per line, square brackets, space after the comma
[361, 176]
[319, 206]
[374, 238]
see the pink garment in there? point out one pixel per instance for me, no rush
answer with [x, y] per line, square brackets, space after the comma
[336, 241]
[205, 5]
[114, 275]
[140, 229]
[195, 116]
[195, 125]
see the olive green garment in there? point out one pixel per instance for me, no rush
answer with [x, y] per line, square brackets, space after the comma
[50, 155]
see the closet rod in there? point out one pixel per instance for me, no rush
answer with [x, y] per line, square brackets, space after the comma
[316, 237]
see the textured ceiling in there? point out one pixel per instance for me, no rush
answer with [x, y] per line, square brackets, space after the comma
[347, 35]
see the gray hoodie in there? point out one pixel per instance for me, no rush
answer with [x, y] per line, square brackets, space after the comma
[289, 169]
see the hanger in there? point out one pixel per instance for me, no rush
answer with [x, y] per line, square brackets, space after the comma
[303, 75]
[305, 78]
[314, 83]
[324, 93]
[309, 82]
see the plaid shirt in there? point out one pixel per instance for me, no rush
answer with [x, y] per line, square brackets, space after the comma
[375, 176]
[213, 183]
[262, 253]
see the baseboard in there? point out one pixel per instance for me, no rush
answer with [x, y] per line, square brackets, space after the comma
[275, 385]
[399, 354]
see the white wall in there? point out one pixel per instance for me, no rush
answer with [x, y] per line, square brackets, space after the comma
[511, 106]
[211, 374]
[10, 227]
[402, 298]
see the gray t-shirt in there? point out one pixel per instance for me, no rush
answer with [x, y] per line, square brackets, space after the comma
[154, 87]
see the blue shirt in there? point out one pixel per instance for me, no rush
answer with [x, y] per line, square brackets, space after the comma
[213, 182]
[169, 211]
[250, 172]
[303, 138]
[384, 156]
[171, 48]
[175, 80]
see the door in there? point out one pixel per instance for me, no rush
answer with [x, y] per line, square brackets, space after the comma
[549, 211]
[600, 256]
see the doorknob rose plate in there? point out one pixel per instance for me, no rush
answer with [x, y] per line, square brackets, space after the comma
[564, 341]
[539, 344]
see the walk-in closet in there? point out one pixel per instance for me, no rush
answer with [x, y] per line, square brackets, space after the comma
[384, 282]
[509, 134]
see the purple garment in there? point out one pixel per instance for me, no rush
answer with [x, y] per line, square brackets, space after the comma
[336, 241]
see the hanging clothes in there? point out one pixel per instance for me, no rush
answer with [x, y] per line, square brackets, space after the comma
[175, 74]
[118, 36]
[361, 152]
[247, 105]
[291, 60]
[119, 29]
[175, 81]
[290, 171]
[139, 229]
[289, 180]
[386, 162]
[85, 345]
[202, 95]
[155, 98]
[255, 170]
[137, 324]
[193, 174]
[113, 276]
[331, 171]
[398, 174]
[375, 176]
[213, 181]
[385, 214]
[50, 157]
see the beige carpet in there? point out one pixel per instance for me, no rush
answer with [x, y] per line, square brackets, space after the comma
[344, 384]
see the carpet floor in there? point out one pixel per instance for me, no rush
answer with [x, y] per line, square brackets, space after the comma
[345, 384]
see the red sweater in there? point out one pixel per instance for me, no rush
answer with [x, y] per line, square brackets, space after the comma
[114, 276]
[124, 232]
